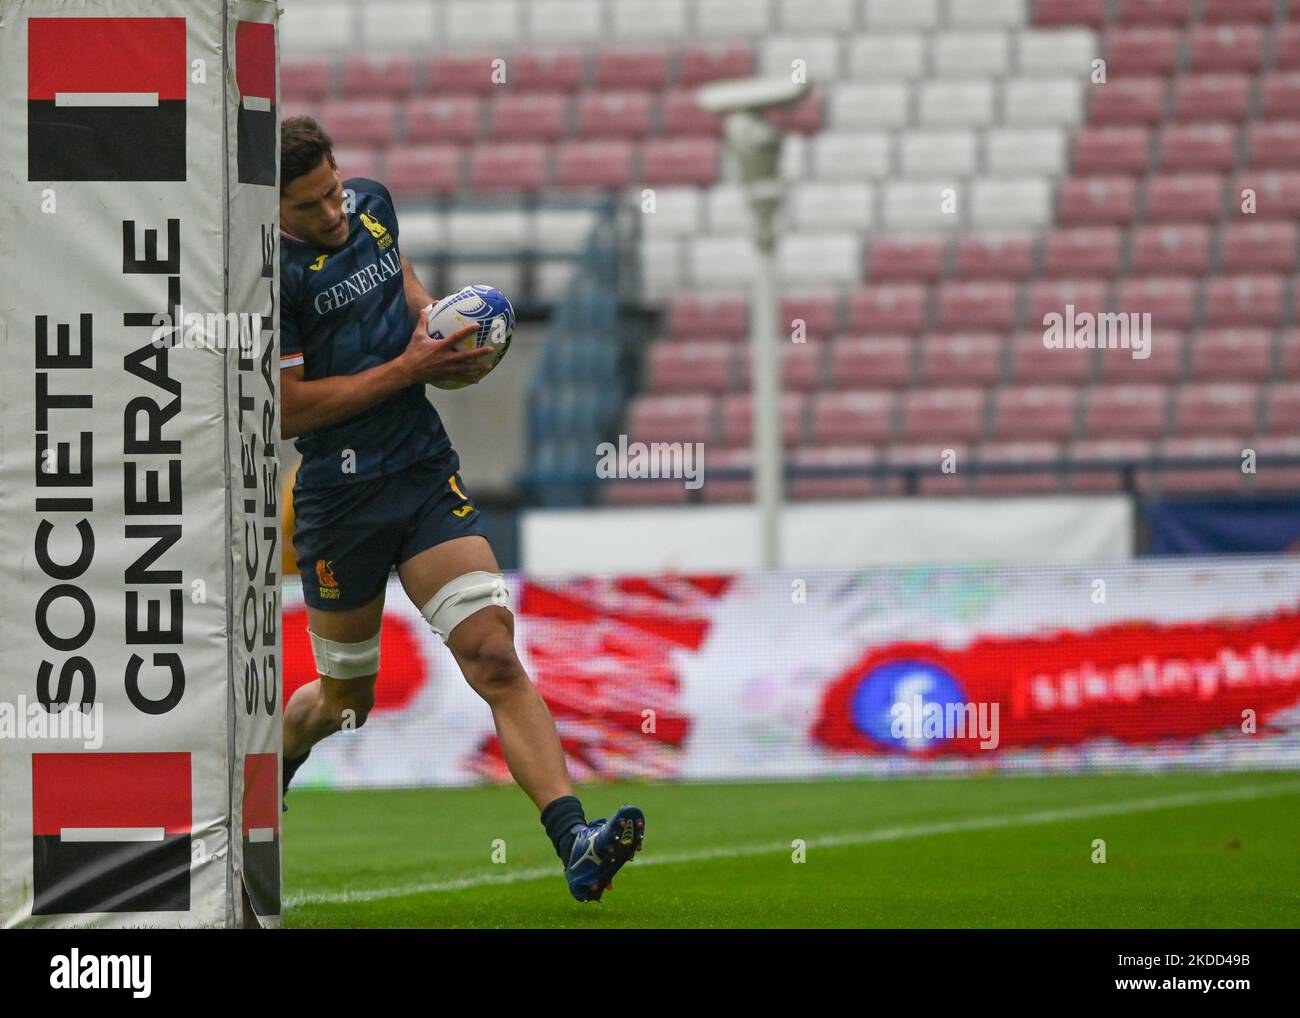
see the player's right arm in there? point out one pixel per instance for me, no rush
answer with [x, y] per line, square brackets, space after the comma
[312, 405]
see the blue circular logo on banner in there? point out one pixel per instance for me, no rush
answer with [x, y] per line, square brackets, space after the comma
[889, 703]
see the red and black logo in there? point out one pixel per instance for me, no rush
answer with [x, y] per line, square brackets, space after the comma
[257, 131]
[262, 832]
[111, 832]
[106, 99]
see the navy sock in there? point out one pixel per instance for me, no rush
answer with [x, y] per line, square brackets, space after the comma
[291, 768]
[559, 818]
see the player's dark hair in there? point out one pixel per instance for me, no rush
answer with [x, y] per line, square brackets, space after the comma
[303, 144]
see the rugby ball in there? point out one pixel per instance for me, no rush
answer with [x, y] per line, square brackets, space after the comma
[479, 304]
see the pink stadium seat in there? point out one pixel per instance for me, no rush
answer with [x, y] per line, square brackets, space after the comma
[695, 317]
[852, 418]
[1226, 48]
[1184, 197]
[1141, 51]
[463, 74]
[1090, 251]
[804, 117]
[930, 457]
[1034, 412]
[1244, 300]
[1282, 410]
[677, 368]
[602, 163]
[1069, 13]
[360, 122]
[860, 456]
[1233, 355]
[681, 114]
[1125, 411]
[888, 307]
[1127, 101]
[614, 114]
[425, 168]
[1033, 363]
[1163, 362]
[1045, 455]
[1286, 47]
[893, 259]
[1190, 147]
[1217, 410]
[961, 360]
[1053, 296]
[1277, 194]
[1280, 96]
[1270, 477]
[1237, 11]
[529, 116]
[386, 78]
[498, 166]
[1289, 355]
[1096, 201]
[629, 69]
[1154, 12]
[1170, 250]
[738, 423]
[980, 305]
[357, 162]
[1202, 479]
[819, 312]
[560, 71]
[728, 489]
[801, 366]
[672, 492]
[1212, 97]
[1109, 150]
[943, 415]
[708, 63]
[994, 258]
[1257, 247]
[305, 79]
[1170, 300]
[454, 118]
[1274, 145]
[671, 418]
[869, 362]
[680, 161]
[1104, 451]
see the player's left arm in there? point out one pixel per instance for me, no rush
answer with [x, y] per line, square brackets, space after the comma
[417, 297]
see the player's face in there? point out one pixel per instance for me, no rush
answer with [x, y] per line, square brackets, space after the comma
[312, 207]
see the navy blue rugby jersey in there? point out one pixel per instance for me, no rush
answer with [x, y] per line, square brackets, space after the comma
[343, 310]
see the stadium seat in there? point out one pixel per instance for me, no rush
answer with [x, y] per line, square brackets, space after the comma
[943, 415]
[1169, 250]
[985, 54]
[422, 169]
[1125, 411]
[851, 418]
[680, 368]
[1216, 410]
[1095, 201]
[641, 19]
[1238, 47]
[1282, 410]
[1276, 193]
[450, 119]
[981, 305]
[859, 106]
[801, 366]
[1200, 479]
[1098, 453]
[1045, 456]
[1005, 256]
[1153, 12]
[1170, 300]
[1233, 355]
[889, 56]
[963, 104]
[1034, 412]
[851, 155]
[529, 116]
[709, 63]
[972, 359]
[929, 460]
[1011, 203]
[1042, 102]
[1017, 152]
[1289, 354]
[1086, 250]
[632, 69]
[728, 489]
[418, 18]
[488, 230]
[680, 161]
[1110, 150]
[1244, 300]
[1053, 296]
[900, 15]
[1191, 147]
[693, 317]
[1163, 363]
[320, 27]
[681, 114]
[842, 457]
[671, 419]
[720, 261]
[378, 78]
[1276, 478]
[1274, 145]
[1032, 363]
[462, 74]
[360, 122]
[1237, 11]
[816, 57]
[816, 259]
[1069, 13]
[307, 80]
[1140, 51]
[1212, 97]
[1248, 248]
[1286, 47]
[470, 22]
[1184, 197]
[986, 13]
[879, 361]
[804, 117]
[919, 205]
[496, 166]
[818, 310]
[538, 71]
[614, 114]
[601, 163]
[564, 230]
[1136, 101]
[1280, 96]
[357, 161]
[1049, 52]
[738, 419]
[888, 308]
[891, 259]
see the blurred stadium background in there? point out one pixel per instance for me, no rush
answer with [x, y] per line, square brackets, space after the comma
[961, 169]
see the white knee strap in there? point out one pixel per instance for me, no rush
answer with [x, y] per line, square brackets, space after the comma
[345, 660]
[462, 597]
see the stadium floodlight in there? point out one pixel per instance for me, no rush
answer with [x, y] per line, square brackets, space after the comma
[755, 145]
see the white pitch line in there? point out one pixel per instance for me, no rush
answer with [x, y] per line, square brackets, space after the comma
[828, 841]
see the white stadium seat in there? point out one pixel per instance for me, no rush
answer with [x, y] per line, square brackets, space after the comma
[309, 30]
[1015, 151]
[817, 15]
[720, 261]
[955, 103]
[889, 55]
[661, 267]
[418, 21]
[489, 231]
[970, 54]
[987, 13]
[634, 20]
[819, 258]
[1011, 202]
[919, 205]
[552, 279]
[423, 232]
[858, 105]
[896, 14]
[482, 25]
[818, 206]
[937, 153]
[563, 231]
[507, 276]
[677, 211]
[1041, 102]
[728, 210]
[820, 55]
[795, 157]
[1055, 51]
[564, 21]
[732, 19]
[844, 155]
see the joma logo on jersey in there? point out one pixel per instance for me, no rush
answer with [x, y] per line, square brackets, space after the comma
[378, 230]
[358, 284]
[318, 264]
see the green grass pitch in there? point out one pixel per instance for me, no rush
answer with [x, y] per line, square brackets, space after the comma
[1181, 850]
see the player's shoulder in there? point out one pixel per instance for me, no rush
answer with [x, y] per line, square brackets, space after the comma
[369, 192]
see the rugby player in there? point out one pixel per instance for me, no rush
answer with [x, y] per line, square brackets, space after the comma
[380, 486]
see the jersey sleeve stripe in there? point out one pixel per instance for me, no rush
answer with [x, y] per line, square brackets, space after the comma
[291, 360]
